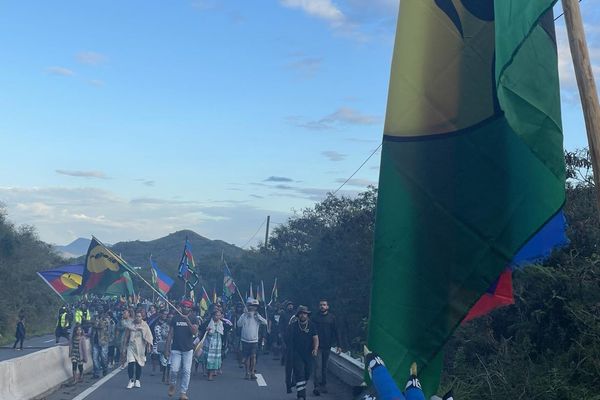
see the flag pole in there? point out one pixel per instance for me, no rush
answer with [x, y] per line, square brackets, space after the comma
[122, 261]
[54, 290]
[585, 84]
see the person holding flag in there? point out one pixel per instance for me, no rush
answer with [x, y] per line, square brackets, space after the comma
[180, 348]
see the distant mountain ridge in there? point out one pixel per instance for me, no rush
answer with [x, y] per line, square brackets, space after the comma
[167, 252]
[76, 248]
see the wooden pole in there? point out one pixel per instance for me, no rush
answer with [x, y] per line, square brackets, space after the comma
[267, 232]
[586, 84]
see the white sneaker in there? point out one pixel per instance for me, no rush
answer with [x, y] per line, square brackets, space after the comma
[129, 384]
[138, 384]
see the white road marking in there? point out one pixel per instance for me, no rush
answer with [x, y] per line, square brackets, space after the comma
[48, 341]
[96, 385]
[260, 380]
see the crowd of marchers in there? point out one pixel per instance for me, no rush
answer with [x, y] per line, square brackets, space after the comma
[180, 340]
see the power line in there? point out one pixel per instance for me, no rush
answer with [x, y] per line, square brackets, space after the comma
[561, 14]
[253, 236]
[361, 165]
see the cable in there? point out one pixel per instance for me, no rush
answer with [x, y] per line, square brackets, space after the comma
[253, 236]
[361, 165]
[561, 14]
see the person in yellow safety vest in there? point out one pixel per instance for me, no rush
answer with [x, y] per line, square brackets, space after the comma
[83, 317]
[62, 325]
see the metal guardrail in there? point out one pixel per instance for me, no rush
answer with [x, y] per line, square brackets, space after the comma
[348, 369]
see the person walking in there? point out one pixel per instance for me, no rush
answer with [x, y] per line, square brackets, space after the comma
[329, 335]
[160, 332]
[180, 348]
[304, 344]
[286, 355]
[62, 324]
[250, 322]
[215, 332]
[20, 332]
[78, 353]
[139, 342]
[100, 339]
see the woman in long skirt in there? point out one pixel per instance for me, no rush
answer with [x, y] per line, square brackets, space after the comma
[213, 344]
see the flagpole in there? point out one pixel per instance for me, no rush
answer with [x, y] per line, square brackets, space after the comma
[131, 269]
[586, 85]
[54, 290]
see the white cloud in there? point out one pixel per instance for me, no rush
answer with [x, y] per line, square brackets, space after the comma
[333, 155]
[59, 71]
[358, 182]
[90, 58]
[82, 174]
[63, 214]
[342, 116]
[323, 9]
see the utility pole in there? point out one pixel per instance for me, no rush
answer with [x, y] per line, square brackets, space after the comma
[267, 232]
[586, 85]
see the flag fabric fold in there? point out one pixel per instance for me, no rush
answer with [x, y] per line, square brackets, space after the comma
[160, 280]
[105, 273]
[64, 280]
[472, 168]
[229, 287]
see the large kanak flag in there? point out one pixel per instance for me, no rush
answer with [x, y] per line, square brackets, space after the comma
[472, 168]
[63, 280]
[105, 273]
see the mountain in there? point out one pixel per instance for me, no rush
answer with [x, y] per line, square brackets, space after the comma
[167, 252]
[76, 248]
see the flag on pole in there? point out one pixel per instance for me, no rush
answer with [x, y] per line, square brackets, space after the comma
[63, 280]
[472, 168]
[204, 302]
[251, 292]
[186, 266]
[105, 272]
[262, 292]
[274, 293]
[229, 287]
[161, 281]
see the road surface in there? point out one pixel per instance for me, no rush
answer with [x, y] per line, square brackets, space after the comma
[30, 345]
[229, 386]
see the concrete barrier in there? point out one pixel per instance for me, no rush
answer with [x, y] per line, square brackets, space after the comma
[33, 375]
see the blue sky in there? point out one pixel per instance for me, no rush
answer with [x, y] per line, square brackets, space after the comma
[133, 119]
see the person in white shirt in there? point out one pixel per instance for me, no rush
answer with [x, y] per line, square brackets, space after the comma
[250, 321]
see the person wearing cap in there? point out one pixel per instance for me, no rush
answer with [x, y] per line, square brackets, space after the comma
[250, 322]
[288, 316]
[180, 348]
[303, 341]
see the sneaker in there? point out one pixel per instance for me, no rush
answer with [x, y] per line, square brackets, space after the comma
[171, 390]
[138, 383]
[130, 384]
[183, 397]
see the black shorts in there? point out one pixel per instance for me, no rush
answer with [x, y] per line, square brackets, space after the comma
[249, 349]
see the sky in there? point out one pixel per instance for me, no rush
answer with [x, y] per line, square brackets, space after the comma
[130, 120]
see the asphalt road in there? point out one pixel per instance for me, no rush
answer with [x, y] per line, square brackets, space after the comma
[229, 386]
[30, 345]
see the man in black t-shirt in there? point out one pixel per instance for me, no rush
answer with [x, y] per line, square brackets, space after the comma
[329, 335]
[303, 340]
[180, 348]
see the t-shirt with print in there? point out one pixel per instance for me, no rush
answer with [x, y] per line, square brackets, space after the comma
[182, 335]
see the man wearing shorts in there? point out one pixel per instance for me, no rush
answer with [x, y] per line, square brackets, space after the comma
[250, 322]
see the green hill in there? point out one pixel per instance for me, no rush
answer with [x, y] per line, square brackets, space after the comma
[167, 252]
